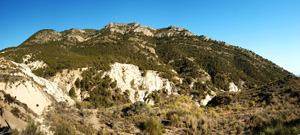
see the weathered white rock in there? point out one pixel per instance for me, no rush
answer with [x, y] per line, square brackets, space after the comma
[33, 65]
[126, 27]
[129, 77]
[207, 98]
[171, 31]
[32, 89]
[233, 87]
[143, 30]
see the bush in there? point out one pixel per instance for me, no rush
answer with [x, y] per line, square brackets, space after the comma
[136, 108]
[113, 84]
[251, 103]
[72, 92]
[174, 120]
[77, 83]
[32, 129]
[15, 111]
[221, 100]
[153, 127]
[64, 129]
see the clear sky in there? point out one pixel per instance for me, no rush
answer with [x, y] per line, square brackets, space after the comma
[270, 28]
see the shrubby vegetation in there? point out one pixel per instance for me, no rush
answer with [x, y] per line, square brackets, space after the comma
[153, 127]
[32, 128]
[103, 91]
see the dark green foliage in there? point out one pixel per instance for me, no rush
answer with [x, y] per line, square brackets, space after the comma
[221, 62]
[222, 99]
[72, 92]
[113, 84]
[155, 96]
[136, 108]
[101, 95]
[77, 83]
[200, 87]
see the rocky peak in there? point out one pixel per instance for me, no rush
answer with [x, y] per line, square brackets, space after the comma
[69, 36]
[148, 31]
[172, 31]
[43, 36]
[127, 27]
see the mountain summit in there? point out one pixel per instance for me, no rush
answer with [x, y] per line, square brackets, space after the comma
[148, 31]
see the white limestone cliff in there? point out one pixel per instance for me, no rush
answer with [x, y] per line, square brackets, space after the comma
[129, 77]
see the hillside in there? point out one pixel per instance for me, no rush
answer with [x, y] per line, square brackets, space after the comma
[131, 73]
[162, 50]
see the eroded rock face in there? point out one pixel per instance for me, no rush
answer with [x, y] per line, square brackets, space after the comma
[33, 65]
[130, 78]
[36, 92]
[66, 80]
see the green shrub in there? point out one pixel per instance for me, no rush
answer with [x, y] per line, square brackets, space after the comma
[72, 92]
[153, 126]
[113, 84]
[174, 120]
[77, 83]
[223, 99]
[136, 108]
[32, 129]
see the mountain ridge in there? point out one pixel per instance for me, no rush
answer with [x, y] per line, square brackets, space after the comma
[45, 35]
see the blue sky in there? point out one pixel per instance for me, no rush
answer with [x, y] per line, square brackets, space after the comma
[270, 28]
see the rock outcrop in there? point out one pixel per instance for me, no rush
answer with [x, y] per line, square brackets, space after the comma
[207, 98]
[172, 31]
[148, 31]
[233, 87]
[130, 78]
[127, 27]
